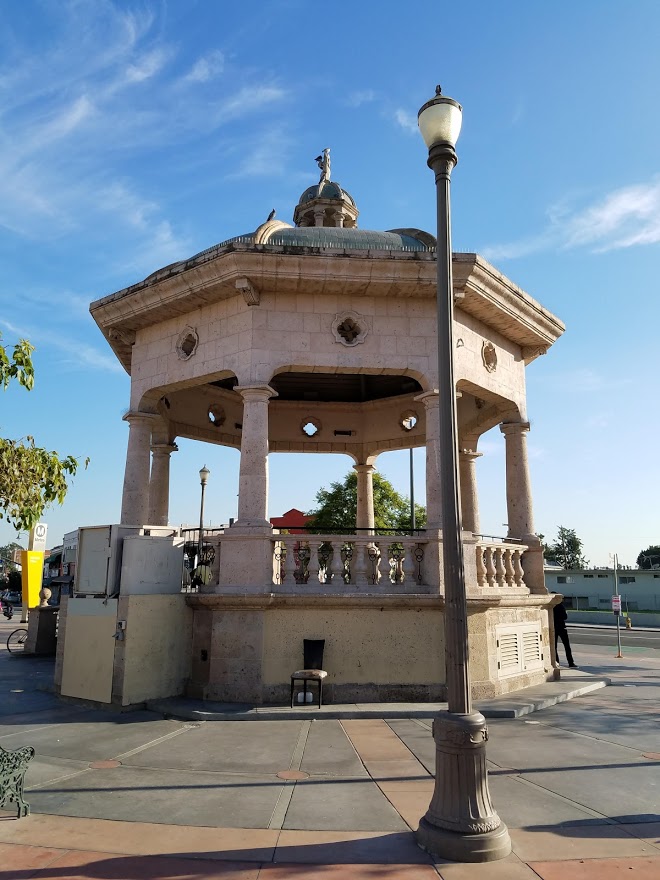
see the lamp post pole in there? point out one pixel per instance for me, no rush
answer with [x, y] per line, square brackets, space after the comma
[203, 479]
[413, 524]
[461, 823]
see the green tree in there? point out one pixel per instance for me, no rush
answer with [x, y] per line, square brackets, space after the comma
[336, 509]
[649, 558]
[31, 478]
[566, 550]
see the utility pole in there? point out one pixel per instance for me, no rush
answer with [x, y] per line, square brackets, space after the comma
[617, 610]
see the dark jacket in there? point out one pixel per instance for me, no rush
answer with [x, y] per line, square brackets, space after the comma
[560, 616]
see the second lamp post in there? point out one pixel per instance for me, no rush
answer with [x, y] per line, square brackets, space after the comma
[460, 823]
[203, 480]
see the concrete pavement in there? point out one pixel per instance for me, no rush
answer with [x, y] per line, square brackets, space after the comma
[140, 795]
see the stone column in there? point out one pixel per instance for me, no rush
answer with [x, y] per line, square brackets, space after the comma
[518, 486]
[519, 504]
[365, 497]
[253, 474]
[319, 216]
[135, 499]
[467, 460]
[339, 218]
[430, 400]
[159, 485]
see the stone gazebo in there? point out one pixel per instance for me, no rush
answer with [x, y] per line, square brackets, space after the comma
[320, 337]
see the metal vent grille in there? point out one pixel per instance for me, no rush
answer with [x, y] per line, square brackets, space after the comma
[508, 653]
[519, 648]
[531, 649]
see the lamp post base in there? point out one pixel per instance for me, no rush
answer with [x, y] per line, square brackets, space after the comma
[457, 847]
[461, 824]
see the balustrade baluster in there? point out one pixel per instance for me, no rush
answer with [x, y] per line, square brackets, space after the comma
[500, 571]
[490, 566]
[348, 560]
[313, 564]
[518, 571]
[360, 560]
[288, 565]
[481, 566]
[383, 563]
[408, 567]
[508, 567]
[373, 558]
[326, 552]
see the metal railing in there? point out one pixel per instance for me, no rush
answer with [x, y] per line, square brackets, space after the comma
[196, 569]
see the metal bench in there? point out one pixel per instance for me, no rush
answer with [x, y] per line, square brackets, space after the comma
[13, 764]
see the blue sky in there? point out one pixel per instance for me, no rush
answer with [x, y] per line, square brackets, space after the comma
[135, 134]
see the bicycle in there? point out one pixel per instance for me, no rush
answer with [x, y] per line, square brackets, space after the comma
[16, 641]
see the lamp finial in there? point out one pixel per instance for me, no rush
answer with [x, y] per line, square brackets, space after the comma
[438, 90]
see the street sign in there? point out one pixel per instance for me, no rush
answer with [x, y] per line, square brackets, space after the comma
[616, 604]
[38, 537]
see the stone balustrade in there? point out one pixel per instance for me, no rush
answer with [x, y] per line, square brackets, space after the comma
[499, 565]
[348, 560]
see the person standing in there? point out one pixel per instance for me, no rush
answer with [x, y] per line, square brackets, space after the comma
[560, 617]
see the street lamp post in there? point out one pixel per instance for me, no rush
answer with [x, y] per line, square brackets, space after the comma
[203, 479]
[461, 823]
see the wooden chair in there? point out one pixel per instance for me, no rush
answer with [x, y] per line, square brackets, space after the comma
[313, 661]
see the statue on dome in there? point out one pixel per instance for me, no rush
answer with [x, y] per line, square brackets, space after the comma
[323, 161]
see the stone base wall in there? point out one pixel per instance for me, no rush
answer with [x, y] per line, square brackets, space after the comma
[487, 679]
[385, 649]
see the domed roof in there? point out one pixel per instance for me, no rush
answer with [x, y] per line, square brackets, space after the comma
[347, 239]
[330, 189]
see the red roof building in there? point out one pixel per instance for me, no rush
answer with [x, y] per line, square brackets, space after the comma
[294, 521]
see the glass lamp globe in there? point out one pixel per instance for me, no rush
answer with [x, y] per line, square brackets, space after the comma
[440, 120]
[204, 475]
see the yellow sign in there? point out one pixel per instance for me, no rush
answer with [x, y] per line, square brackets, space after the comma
[33, 572]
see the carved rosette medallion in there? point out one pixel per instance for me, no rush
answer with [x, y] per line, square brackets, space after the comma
[349, 328]
[489, 356]
[186, 344]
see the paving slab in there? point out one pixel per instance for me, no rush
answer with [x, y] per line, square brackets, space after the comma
[599, 869]
[235, 747]
[341, 805]
[540, 746]
[135, 794]
[523, 805]
[74, 865]
[328, 751]
[510, 868]
[42, 771]
[96, 736]
[625, 794]
[577, 842]
[23, 858]
[418, 738]
[140, 838]
[351, 847]
[378, 871]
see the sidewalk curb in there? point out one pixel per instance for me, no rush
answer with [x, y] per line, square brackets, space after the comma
[509, 706]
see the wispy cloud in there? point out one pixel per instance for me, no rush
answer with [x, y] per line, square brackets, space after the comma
[249, 99]
[624, 218]
[78, 117]
[147, 66]
[73, 352]
[206, 68]
[406, 121]
[360, 97]
[268, 157]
